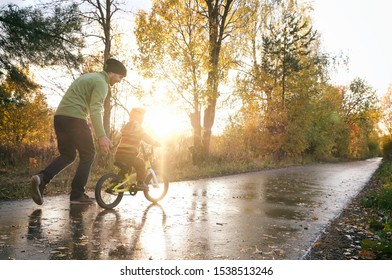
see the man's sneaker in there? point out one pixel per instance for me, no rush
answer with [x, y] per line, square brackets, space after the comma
[37, 188]
[83, 199]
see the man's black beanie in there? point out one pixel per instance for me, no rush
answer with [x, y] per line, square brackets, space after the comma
[115, 66]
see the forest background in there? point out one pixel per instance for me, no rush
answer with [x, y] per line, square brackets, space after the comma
[230, 86]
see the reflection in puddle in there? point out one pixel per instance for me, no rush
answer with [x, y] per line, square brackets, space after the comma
[34, 228]
[134, 237]
[109, 235]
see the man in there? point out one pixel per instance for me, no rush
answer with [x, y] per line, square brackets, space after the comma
[84, 99]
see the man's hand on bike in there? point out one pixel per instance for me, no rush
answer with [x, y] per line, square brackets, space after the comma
[105, 144]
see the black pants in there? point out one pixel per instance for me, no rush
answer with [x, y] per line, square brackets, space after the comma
[137, 163]
[73, 135]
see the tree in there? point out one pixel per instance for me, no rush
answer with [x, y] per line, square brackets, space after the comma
[27, 36]
[101, 12]
[287, 40]
[182, 42]
[386, 106]
[361, 114]
[169, 40]
[327, 134]
[359, 100]
[45, 35]
[24, 116]
[221, 21]
[279, 77]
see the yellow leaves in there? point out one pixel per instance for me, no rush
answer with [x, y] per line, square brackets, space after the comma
[28, 123]
[386, 107]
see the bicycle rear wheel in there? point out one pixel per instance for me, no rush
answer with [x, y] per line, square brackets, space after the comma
[157, 187]
[104, 194]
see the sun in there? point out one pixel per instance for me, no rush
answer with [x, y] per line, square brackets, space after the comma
[163, 122]
[164, 119]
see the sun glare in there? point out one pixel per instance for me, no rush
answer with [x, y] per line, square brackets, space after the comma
[163, 120]
[163, 123]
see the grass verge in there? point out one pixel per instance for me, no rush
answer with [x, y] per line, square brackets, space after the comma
[379, 203]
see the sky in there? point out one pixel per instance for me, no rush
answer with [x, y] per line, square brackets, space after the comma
[358, 29]
[361, 30]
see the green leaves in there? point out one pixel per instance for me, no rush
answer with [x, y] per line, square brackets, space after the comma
[33, 36]
[30, 37]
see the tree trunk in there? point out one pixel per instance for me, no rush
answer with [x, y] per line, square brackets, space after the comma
[218, 11]
[209, 117]
[197, 152]
[107, 40]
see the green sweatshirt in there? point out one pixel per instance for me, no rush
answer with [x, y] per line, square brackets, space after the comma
[85, 98]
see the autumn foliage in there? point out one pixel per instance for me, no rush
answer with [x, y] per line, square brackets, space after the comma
[263, 59]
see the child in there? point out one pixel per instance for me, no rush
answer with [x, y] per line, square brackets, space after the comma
[128, 149]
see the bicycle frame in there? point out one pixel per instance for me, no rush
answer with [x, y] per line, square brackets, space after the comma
[129, 181]
[110, 188]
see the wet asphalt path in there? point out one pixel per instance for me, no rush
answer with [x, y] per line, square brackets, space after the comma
[272, 214]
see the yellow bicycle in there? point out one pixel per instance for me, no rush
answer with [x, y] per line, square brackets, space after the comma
[111, 187]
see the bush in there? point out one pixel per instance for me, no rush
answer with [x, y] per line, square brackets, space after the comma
[387, 151]
[385, 198]
[381, 200]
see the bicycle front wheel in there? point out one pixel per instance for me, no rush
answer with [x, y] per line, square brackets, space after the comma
[104, 194]
[157, 187]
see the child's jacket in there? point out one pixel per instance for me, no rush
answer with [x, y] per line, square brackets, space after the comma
[131, 136]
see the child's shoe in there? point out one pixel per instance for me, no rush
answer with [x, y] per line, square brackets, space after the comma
[141, 186]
